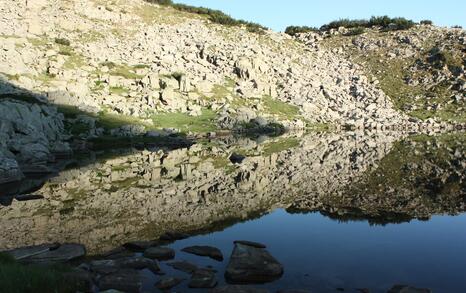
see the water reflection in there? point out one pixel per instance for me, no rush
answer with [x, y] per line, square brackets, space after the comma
[138, 195]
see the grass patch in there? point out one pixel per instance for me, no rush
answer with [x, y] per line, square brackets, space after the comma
[119, 90]
[185, 123]
[280, 145]
[122, 70]
[18, 278]
[280, 109]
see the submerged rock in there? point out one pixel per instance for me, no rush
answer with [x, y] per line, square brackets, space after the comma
[209, 251]
[203, 278]
[124, 280]
[238, 289]
[136, 263]
[159, 253]
[173, 236]
[183, 266]
[250, 264]
[168, 282]
[293, 291]
[408, 289]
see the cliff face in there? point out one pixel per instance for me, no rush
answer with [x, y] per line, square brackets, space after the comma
[144, 194]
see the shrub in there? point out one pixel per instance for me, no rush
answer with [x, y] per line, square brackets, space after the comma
[294, 30]
[385, 22]
[62, 41]
[427, 22]
[215, 16]
[355, 31]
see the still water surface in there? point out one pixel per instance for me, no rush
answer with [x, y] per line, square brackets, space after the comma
[338, 210]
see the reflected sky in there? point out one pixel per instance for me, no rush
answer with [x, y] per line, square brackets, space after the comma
[323, 254]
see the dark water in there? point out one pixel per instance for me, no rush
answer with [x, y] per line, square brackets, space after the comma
[338, 210]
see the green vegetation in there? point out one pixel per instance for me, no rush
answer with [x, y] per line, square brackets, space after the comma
[119, 90]
[186, 123]
[122, 70]
[62, 41]
[281, 109]
[355, 31]
[427, 22]
[18, 278]
[294, 30]
[385, 22]
[216, 16]
[280, 145]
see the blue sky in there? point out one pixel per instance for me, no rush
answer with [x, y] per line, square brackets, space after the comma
[278, 15]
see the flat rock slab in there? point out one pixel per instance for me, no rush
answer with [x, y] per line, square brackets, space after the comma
[250, 264]
[293, 291]
[203, 278]
[124, 280]
[115, 265]
[208, 251]
[250, 243]
[160, 253]
[238, 289]
[167, 283]
[29, 251]
[63, 253]
[408, 289]
[183, 266]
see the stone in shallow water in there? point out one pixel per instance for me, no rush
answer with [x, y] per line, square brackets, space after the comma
[168, 283]
[250, 264]
[124, 280]
[62, 253]
[250, 243]
[29, 251]
[115, 265]
[408, 289]
[183, 266]
[293, 291]
[159, 253]
[203, 278]
[238, 289]
[209, 251]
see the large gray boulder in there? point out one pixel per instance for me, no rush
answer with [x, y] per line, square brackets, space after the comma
[252, 264]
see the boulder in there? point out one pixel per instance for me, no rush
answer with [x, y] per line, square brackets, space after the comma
[159, 253]
[50, 253]
[238, 289]
[183, 266]
[123, 280]
[407, 289]
[167, 283]
[251, 264]
[203, 278]
[208, 251]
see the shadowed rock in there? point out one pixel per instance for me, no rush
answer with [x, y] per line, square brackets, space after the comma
[124, 280]
[293, 291]
[203, 278]
[183, 266]
[250, 264]
[238, 289]
[159, 253]
[209, 251]
[168, 282]
[62, 253]
[408, 289]
[136, 263]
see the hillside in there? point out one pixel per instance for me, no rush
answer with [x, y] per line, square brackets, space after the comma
[75, 71]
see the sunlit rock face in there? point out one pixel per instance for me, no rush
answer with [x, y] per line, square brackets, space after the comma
[139, 195]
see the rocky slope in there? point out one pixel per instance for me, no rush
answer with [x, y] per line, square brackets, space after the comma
[130, 68]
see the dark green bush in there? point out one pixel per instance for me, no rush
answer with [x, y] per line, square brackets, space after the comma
[427, 22]
[213, 15]
[385, 22]
[294, 30]
[62, 41]
[355, 31]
